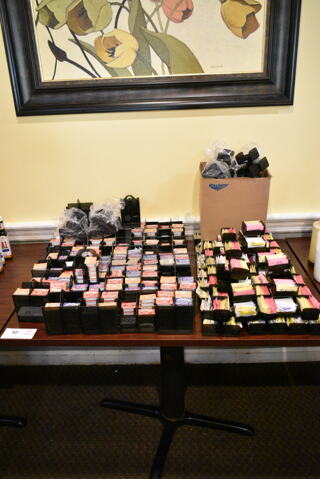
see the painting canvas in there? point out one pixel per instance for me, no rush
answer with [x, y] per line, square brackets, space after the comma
[76, 56]
[92, 39]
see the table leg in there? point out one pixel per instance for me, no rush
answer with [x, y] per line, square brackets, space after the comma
[12, 421]
[171, 411]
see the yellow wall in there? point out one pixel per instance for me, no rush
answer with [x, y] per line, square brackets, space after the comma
[49, 161]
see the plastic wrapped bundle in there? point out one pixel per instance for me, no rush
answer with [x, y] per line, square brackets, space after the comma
[104, 219]
[220, 164]
[74, 224]
[216, 169]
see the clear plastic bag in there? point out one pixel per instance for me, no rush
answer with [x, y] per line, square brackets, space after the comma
[220, 159]
[216, 169]
[105, 219]
[74, 224]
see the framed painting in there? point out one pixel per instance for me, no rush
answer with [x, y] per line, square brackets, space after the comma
[81, 56]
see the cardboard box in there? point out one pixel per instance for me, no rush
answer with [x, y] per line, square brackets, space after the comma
[229, 201]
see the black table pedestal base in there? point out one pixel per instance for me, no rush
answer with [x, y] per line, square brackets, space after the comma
[171, 412]
[12, 421]
[169, 427]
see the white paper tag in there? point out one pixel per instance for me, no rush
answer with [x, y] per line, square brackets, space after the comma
[18, 333]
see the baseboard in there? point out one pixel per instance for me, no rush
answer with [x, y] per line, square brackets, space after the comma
[33, 231]
[282, 225]
[292, 224]
[114, 356]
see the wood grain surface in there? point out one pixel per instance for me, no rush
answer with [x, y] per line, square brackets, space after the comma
[15, 271]
[300, 249]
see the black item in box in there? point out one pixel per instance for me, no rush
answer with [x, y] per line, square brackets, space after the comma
[243, 297]
[284, 274]
[245, 319]
[105, 250]
[197, 238]
[55, 272]
[130, 214]
[167, 270]
[124, 235]
[39, 273]
[297, 327]
[53, 320]
[210, 328]
[228, 235]
[253, 249]
[231, 330]
[278, 270]
[184, 319]
[20, 300]
[31, 314]
[165, 319]
[258, 326]
[85, 207]
[33, 283]
[55, 263]
[128, 324]
[314, 327]
[252, 233]
[277, 327]
[222, 315]
[70, 315]
[223, 286]
[165, 246]
[71, 296]
[90, 320]
[164, 233]
[233, 253]
[268, 317]
[150, 247]
[146, 323]
[223, 275]
[109, 319]
[207, 315]
[284, 293]
[35, 300]
[54, 297]
[130, 296]
[239, 273]
[183, 270]
[309, 314]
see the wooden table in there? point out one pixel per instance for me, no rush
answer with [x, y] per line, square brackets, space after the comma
[20, 270]
[16, 270]
[299, 247]
[171, 411]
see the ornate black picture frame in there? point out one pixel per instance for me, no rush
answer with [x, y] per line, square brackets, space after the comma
[32, 96]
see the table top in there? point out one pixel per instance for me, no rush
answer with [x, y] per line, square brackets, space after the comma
[300, 249]
[16, 270]
[19, 270]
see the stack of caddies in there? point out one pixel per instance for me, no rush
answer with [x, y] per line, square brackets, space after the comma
[138, 281]
[247, 281]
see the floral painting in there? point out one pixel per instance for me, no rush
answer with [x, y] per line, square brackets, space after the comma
[95, 39]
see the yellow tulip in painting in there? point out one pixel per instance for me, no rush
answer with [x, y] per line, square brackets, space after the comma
[239, 16]
[118, 48]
